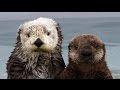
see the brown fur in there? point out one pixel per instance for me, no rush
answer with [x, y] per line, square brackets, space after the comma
[78, 67]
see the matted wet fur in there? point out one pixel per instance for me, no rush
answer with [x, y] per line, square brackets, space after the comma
[86, 59]
[37, 64]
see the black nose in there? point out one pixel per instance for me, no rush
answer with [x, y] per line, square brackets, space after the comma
[38, 42]
[86, 53]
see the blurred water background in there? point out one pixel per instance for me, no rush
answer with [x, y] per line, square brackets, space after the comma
[108, 29]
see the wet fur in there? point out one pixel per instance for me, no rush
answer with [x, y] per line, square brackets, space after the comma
[44, 66]
[82, 70]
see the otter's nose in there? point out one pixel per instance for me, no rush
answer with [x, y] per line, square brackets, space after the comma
[38, 42]
[86, 53]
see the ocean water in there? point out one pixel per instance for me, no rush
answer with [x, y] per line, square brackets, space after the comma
[108, 29]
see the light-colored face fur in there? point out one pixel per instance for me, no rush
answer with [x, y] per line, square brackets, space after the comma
[42, 28]
[86, 49]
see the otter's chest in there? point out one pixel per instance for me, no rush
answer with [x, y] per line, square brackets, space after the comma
[41, 69]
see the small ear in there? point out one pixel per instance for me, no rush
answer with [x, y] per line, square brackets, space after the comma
[58, 27]
[104, 49]
[19, 31]
[69, 47]
[18, 37]
[59, 34]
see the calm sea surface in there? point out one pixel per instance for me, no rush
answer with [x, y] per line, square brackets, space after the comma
[108, 29]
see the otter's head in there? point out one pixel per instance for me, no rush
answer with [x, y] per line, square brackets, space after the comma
[86, 49]
[40, 35]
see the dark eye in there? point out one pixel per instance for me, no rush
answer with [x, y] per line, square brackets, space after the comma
[48, 33]
[76, 47]
[28, 35]
[97, 46]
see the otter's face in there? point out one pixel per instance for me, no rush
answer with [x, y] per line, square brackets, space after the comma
[38, 37]
[86, 49]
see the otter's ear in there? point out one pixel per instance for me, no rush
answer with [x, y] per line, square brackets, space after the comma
[104, 49]
[59, 34]
[58, 27]
[69, 47]
[18, 37]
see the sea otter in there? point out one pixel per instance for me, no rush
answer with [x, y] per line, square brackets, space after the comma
[86, 59]
[38, 51]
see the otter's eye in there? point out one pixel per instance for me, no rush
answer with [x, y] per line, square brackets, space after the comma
[28, 35]
[76, 47]
[48, 33]
[96, 46]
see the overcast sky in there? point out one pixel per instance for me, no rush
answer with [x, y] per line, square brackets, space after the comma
[33, 15]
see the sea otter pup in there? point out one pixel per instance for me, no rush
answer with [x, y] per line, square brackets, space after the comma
[86, 59]
[37, 54]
